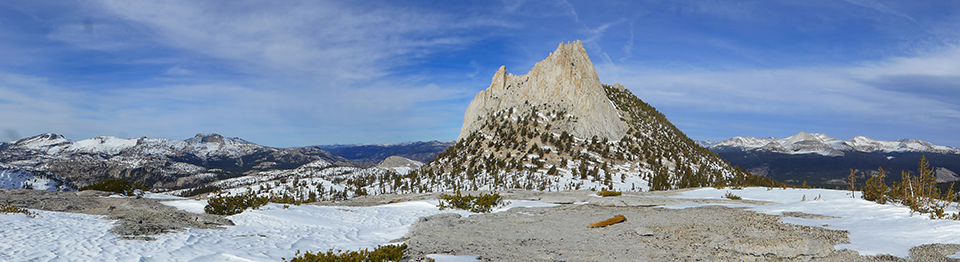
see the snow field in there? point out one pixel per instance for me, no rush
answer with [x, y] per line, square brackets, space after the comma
[276, 231]
[270, 233]
[874, 228]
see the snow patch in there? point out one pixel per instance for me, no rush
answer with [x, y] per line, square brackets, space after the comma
[874, 228]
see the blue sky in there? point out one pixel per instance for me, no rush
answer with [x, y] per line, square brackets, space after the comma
[296, 73]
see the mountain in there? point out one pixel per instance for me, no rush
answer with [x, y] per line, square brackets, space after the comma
[823, 161]
[816, 143]
[159, 163]
[558, 127]
[419, 151]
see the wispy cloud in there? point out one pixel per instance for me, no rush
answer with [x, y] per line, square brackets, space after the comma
[293, 66]
[291, 72]
[331, 38]
[879, 7]
[594, 35]
[628, 47]
[861, 93]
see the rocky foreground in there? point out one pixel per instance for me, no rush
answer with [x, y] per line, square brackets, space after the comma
[559, 233]
[137, 218]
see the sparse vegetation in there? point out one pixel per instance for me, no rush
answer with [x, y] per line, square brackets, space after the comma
[11, 209]
[379, 254]
[920, 192]
[119, 186]
[606, 193]
[200, 190]
[731, 196]
[483, 203]
[232, 205]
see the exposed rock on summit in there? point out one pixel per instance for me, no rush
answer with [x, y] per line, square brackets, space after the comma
[566, 81]
[559, 128]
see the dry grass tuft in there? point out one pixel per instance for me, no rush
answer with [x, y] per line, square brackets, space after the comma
[605, 193]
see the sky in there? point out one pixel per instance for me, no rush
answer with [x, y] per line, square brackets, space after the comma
[298, 73]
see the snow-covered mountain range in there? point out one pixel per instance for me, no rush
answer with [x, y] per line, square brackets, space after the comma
[821, 160]
[816, 143]
[156, 162]
[202, 164]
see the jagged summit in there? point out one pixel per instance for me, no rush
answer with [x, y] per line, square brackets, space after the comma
[559, 128]
[565, 81]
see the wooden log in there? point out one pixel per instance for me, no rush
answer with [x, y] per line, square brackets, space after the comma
[614, 220]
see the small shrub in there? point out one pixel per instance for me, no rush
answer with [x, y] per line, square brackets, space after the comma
[11, 209]
[233, 205]
[483, 203]
[200, 190]
[118, 186]
[606, 193]
[735, 197]
[379, 254]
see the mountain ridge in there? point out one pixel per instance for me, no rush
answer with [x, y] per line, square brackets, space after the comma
[824, 161]
[818, 143]
[156, 162]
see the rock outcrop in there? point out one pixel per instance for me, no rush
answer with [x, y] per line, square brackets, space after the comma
[559, 128]
[399, 164]
[566, 82]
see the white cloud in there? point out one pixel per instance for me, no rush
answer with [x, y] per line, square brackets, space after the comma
[309, 37]
[848, 93]
[278, 72]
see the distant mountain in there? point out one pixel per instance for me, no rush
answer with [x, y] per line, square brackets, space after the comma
[160, 163]
[821, 144]
[419, 151]
[825, 161]
[206, 163]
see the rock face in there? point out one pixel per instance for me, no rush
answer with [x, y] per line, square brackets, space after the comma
[946, 175]
[399, 164]
[558, 128]
[566, 81]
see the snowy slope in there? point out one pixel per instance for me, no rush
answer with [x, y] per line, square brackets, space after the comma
[268, 234]
[816, 143]
[20, 178]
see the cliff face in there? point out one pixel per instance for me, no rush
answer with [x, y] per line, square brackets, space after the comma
[558, 128]
[564, 82]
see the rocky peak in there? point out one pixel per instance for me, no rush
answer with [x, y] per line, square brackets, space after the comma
[207, 138]
[565, 81]
[42, 142]
[558, 128]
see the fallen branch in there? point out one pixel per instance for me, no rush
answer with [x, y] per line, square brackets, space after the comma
[614, 220]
